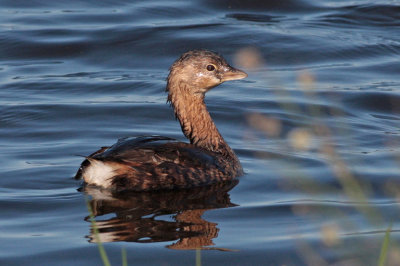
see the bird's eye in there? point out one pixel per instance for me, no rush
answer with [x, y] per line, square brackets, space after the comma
[210, 67]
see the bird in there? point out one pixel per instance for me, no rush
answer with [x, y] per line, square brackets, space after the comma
[153, 163]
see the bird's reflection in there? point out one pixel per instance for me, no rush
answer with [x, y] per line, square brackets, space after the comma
[159, 216]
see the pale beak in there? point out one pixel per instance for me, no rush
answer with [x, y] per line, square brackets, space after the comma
[231, 73]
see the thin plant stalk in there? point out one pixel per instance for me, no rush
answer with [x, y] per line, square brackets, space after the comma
[124, 258]
[198, 257]
[102, 251]
[385, 247]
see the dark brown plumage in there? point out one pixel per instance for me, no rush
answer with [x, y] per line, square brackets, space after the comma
[156, 163]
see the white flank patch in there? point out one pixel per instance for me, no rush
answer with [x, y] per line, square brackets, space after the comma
[98, 173]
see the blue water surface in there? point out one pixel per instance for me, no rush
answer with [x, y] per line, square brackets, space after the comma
[315, 125]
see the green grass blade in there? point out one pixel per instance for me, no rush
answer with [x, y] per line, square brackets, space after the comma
[385, 247]
[124, 258]
[102, 251]
[198, 257]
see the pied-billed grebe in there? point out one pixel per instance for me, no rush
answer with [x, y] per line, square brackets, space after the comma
[154, 162]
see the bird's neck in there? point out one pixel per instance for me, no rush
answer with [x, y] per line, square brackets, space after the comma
[197, 124]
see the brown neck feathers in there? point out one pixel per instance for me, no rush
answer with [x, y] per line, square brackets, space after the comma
[195, 120]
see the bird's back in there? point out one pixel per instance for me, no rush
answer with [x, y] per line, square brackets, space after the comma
[154, 163]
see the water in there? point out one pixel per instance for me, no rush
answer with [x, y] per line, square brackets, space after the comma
[321, 184]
